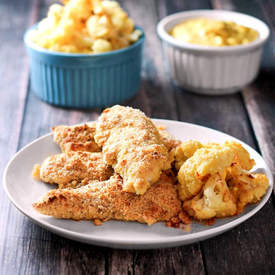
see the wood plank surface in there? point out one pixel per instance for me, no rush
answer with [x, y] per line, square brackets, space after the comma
[49, 116]
[234, 251]
[224, 113]
[13, 85]
[183, 260]
[158, 91]
[259, 97]
[37, 250]
[26, 248]
[160, 103]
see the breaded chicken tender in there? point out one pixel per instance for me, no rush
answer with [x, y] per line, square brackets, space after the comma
[196, 170]
[246, 187]
[106, 200]
[71, 168]
[132, 145]
[215, 200]
[168, 140]
[76, 138]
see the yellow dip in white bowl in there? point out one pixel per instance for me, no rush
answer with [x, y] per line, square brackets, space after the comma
[213, 70]
[213, 32]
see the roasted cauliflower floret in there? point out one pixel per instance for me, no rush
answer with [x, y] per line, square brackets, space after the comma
[246, 187]
[197, 169]
[215, 200]
[241, 157]
[185, 151]
[188, 148]
[215, 181]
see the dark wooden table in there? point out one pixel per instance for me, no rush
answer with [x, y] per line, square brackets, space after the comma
[249, 115]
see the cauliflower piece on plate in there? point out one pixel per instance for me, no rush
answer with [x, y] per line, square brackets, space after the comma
[197, 169]
[215, 181]
[246, 187]
[241, 157]
[215, 200]
[185, 151]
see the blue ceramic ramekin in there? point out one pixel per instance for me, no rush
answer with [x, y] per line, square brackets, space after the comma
[85, 80]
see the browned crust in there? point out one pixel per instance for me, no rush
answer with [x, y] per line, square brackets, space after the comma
[74, 169]
[106, 200]
[76, 138]
[132, 144]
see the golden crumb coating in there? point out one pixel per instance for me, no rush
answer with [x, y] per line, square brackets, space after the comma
[76, 138]
[196, 170]
[106, 200]
[69, 169]
[246, 187]
[215, 200]
[132, 145]
[168, 140]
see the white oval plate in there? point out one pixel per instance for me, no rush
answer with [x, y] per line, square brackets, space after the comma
[22, 190]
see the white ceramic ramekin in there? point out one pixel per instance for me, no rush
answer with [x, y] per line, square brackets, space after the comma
[212, 70]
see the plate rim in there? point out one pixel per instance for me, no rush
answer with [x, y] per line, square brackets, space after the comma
[160, 241]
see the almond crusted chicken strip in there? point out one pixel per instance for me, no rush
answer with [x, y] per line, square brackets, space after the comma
[106, 200]
[168, 140]
[76, 138]
[73, 169]
[132, 145]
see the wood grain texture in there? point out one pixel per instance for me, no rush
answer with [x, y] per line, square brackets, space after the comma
[158, 100]
[182, 260]
[234, 251]
[26, 248]
[224, 113]
[13, 86]
[247, 249]
[39, 251]
[14, 73]
[238, 248]
[259, 97]
[159, 92]
[120, 262]
[74, 258]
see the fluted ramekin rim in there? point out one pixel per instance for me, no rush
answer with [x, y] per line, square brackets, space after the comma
[258, 25]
